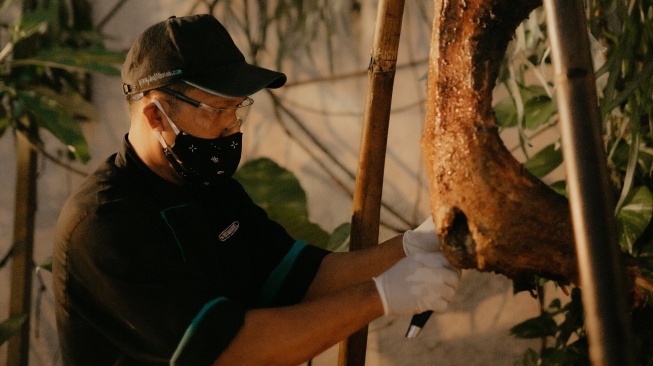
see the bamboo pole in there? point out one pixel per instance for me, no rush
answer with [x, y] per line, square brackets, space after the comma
[21, 264]
[369, 180]
[602, 276]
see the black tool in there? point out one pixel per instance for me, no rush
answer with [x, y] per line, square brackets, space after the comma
[417, 323]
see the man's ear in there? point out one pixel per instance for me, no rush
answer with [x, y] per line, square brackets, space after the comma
[154, 116]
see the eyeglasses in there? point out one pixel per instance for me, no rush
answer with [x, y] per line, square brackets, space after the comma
[208, 115]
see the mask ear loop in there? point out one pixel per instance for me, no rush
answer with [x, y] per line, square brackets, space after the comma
[174, 160]
[172, 124]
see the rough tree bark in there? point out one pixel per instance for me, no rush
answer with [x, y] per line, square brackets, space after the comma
[491, 213]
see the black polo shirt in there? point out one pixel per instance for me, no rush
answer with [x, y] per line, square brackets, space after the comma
[150, 273]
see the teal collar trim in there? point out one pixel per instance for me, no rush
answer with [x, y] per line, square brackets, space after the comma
[174, 233]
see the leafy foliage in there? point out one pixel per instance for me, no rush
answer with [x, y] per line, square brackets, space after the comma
[44, 66]
[278, 191]
[570, 346]
[545, 161]
[44, 74]
[538, 108]
[11, 326]
[622, 44]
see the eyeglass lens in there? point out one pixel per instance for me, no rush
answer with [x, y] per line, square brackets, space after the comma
[228, 117]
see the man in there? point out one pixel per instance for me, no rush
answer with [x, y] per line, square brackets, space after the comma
[162, 258]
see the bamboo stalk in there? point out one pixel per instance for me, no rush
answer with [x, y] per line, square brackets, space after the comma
[21, 265]
[371, 164]
[602, 275]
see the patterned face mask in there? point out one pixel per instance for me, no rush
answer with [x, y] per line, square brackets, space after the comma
[202, 161]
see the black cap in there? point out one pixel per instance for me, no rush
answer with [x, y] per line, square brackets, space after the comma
[198, 50]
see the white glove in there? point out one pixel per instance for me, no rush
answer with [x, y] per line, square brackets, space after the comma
[421, 239]
[420, 282]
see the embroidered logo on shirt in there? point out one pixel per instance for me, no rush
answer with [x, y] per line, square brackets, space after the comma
[228, 232]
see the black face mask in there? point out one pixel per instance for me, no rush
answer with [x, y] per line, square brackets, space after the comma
[202, 161]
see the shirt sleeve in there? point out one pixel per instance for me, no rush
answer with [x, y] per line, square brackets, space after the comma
[288, 282]
[290, 264]
[284, 266]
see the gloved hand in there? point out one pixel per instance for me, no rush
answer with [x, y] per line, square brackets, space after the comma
[419, 282]
[421, 239]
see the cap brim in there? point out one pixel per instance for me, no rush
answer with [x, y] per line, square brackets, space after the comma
[236, 80]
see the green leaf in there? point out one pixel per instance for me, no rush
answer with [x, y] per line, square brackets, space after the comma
[577, 353]
[506, 113]
[277, 191]
[80, 108]
[46, 265]
[11, 326]
[574, 318]
[645, 157]
[30, 23]
[538, 110]
[545, 161]
[554, 357]
[634, 216]
[531, 358]
[339, 237]
[538, 327]
[560, 187]
[52, 116]
[631, 86]
[620, 153]
[4, 123]
[76, 60]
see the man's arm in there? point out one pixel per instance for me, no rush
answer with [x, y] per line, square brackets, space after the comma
[293, 334]
[341, 270]
[341, 300]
